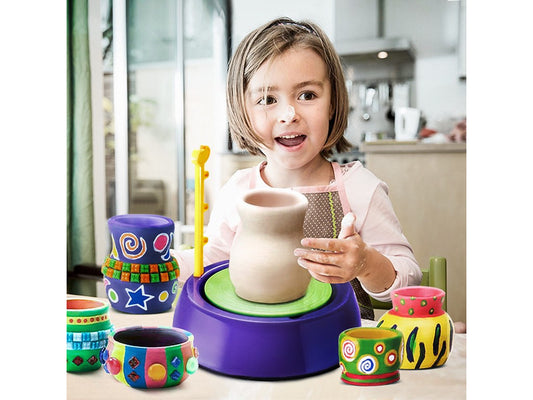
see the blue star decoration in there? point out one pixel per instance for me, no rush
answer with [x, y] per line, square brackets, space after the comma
[138, 298]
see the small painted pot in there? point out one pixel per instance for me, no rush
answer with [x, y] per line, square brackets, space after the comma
[150, 357]
[88, 327]
[427, 329]
[141, 288]
[370, 356]
[141, 238]
[87, 315]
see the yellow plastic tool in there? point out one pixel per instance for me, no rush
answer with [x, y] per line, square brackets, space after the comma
[199, 157]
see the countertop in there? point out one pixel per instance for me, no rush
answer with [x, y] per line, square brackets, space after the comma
[392, 146]
[446, 382]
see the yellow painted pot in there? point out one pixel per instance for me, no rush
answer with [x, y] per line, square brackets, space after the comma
[427, 329]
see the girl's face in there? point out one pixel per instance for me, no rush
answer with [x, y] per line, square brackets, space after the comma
[288, 101]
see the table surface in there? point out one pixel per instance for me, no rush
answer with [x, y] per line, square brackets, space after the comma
[446, 382]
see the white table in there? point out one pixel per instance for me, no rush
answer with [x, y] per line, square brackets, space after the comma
[446, 382]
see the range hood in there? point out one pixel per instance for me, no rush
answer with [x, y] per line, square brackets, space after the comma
[397, 50]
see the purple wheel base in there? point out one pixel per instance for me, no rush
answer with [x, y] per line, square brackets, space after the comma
[266, 348]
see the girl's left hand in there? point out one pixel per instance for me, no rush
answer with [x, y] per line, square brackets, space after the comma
[335, 260]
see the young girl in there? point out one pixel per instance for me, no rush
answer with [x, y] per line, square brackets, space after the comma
[287, 100]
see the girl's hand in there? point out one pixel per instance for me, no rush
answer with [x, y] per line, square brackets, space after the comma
[335, 260]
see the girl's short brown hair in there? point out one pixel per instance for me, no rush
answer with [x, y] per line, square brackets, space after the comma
[265, 43]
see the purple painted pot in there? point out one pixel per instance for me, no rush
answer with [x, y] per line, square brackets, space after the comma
[140, 298]
[141, 238]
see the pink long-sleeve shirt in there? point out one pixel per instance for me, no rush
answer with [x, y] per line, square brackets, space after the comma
[367, 197]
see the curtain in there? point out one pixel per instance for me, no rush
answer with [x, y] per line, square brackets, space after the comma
[80, 213]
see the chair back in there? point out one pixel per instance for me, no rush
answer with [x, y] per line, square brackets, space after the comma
[434, 276]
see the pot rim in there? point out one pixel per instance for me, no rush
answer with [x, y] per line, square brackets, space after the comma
[299, 198]
[140, 221]
[419, 292]
[186, 337]
[81, 306]
[372, 334]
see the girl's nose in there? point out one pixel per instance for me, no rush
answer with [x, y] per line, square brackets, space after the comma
[287, 115]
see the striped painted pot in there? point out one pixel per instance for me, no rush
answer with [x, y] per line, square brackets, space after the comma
[427, 329]
[150, 357]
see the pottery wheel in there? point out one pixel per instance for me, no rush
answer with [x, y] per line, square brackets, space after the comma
[220, 292]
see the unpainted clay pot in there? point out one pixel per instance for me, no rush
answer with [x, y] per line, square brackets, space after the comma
[262, 264]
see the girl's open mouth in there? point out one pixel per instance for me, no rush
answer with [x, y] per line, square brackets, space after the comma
[290, 140]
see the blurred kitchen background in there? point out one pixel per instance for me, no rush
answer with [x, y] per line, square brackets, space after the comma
[157, 89]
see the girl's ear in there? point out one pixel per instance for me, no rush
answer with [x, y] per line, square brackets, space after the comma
[331, 111]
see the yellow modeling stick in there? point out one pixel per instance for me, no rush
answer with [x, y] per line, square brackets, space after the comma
[199, 157]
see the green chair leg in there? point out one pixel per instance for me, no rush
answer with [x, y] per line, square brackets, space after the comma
[437, 276]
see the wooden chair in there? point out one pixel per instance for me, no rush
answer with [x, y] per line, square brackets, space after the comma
[434, 276]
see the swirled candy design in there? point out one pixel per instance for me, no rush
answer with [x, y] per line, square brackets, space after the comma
[348, 350]
[367, 365]
[131, 246]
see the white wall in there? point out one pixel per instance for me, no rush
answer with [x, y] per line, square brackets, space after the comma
[433, 27]
[439, 92]
[250, 14]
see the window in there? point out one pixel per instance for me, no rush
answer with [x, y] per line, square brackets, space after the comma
[173, 83]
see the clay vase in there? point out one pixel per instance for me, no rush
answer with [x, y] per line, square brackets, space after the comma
[262, 264]
[427, 329]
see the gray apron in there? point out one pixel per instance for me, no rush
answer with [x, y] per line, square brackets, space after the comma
[323, 220]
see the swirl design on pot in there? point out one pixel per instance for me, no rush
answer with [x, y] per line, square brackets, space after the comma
[367, 365]
[348, 350]
[132, 247]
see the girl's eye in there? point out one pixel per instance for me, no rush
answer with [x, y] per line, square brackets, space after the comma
[266, 100]
[307, 96]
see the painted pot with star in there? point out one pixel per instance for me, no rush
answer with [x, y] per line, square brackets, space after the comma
[370, 356]
[150, 357]
[140, 274]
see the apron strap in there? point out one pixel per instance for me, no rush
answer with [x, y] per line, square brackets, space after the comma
[340, 187]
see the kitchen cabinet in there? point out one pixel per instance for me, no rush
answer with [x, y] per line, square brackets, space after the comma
[232, 162]
[427, 186]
